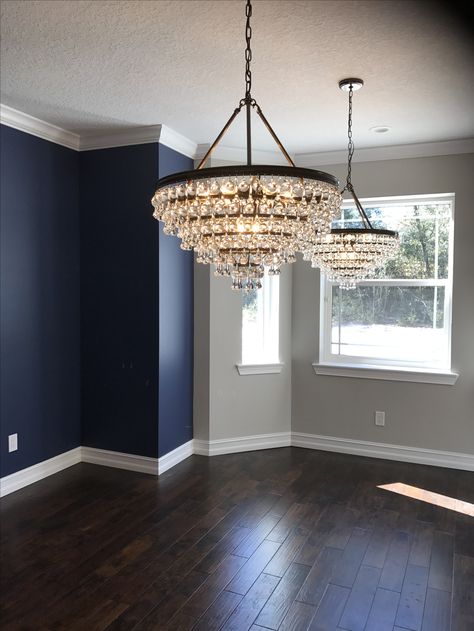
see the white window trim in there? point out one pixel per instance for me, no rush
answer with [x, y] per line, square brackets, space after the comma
[348, 366]
[259, 369]
[387, 373]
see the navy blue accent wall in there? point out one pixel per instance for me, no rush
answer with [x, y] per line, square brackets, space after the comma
[119, 299]
[176, 328]
[40, 370]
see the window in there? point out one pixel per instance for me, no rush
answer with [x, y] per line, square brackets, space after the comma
[402, 316]
[260, 323]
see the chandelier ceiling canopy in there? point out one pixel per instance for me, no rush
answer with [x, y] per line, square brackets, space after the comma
[245, 218]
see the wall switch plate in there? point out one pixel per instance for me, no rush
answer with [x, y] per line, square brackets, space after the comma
[380, 418]
[13, 442]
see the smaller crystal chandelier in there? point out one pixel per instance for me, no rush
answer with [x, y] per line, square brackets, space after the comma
[347, 255]
[244, 218]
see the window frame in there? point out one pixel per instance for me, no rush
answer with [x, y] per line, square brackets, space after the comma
[329, 360]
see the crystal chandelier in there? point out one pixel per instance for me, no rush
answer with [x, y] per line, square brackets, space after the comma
[243, 219]
[347, 255]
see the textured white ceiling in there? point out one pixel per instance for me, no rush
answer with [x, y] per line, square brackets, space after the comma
[103, 64]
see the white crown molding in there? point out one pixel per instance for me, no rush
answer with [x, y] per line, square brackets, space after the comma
[99, 139]
[222, 155]
[394, 152]
[176, 456]
[139, 136]
[20, 479]
[120, 137]
[119, 460]
[178, 142]
[36, 127]
[386, 451]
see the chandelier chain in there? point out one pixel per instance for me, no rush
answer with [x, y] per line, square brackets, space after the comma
[248, 51]
[350, 144]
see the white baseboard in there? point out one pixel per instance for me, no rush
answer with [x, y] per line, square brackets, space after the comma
[20, 479]
[157, 466]
[242, 443]
[119, 460]
[402, 453]
[175, 457]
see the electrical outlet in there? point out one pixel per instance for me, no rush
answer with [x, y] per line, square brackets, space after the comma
[379, 418]
[13, 442]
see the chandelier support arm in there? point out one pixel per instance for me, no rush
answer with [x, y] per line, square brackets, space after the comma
[360, 208]
[219, 137]
[273, 135]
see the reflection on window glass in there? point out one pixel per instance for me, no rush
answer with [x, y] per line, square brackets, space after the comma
[260, 323]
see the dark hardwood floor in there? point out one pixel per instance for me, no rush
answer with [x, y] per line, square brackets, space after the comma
[287, 539]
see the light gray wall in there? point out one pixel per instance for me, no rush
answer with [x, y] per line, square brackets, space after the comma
[420, 415]
[228, 405]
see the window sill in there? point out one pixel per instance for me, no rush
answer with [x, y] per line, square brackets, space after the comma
[388, 373]
[259, 369]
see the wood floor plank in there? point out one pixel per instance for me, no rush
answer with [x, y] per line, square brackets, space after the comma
[330, 608]
[383, 611]
[280, 601]
[437, 614]
[396, 561]
[258, 534]
[180, 622]
[348, 565]
[172, 601]
[441, 567]
[464, 536]
[463, 593]
[316, 540]
[249, 572]
[344, 522]
[285, 555]
[319, 576]
[377, 549]
[226, 545]
[291, 519]
[420, 553]
[298, 618]
[216, 615]
[210, 589]
[412, 599]
[250, 606]
[357, 609]
[258, 510]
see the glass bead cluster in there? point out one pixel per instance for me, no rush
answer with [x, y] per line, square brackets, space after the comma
[348, 257]
[246, 223]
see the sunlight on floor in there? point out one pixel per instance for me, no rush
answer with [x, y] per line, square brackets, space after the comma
[428, 496]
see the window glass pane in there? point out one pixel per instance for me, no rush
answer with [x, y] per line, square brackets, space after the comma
[393, 323]
[260, 323]
[444, 224]
[252, 334]
[335, 319]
